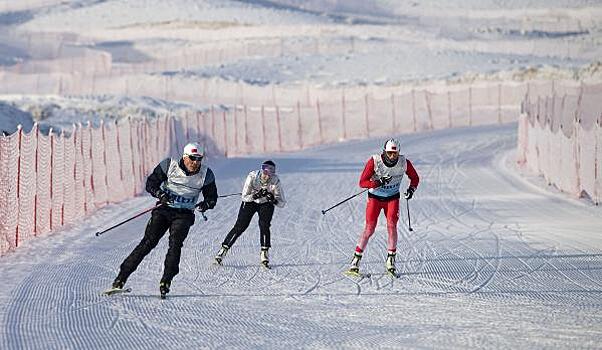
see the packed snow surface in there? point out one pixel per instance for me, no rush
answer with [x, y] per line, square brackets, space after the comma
[494, 261]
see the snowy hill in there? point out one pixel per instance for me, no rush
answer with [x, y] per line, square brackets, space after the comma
[340, 44]
[61, 113]
[394, 42]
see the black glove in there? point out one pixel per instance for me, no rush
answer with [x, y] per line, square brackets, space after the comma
[261, 193]
[205, 205]
[383, 181]
[410, 192]
[163, 197]
[270, 198]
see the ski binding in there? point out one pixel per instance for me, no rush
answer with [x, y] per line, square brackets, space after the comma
[393, 273]
[353, 273]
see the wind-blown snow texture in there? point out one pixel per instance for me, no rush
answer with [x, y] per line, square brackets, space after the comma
[493, 262]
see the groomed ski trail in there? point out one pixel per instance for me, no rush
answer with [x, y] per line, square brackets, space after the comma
[493, 262]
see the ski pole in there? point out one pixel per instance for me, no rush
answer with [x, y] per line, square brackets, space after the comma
[229, 195]
[409, 220]
[343, 201]
[202, 212]
[130, 219]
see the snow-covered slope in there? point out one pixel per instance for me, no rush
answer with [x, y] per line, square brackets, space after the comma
[493, 262]
[323, 43]
[61, 113]
[385, 42]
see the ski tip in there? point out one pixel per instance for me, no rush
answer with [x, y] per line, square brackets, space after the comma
[97, 233]
[323, 212]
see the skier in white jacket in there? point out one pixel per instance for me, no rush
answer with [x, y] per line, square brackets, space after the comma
[262, 191]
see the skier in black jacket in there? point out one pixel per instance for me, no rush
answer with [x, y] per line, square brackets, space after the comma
[176, 183]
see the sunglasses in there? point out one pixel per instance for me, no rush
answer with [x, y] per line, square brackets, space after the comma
[195, 158]
[268, 169]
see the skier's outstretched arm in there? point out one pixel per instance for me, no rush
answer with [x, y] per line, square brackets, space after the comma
[209, 190]
[366, 180]
[412, 174]
[279, 194]
[247, 189]
[156, 178]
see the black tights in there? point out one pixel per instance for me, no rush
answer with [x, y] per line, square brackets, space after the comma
[178, 222]
[245, 214]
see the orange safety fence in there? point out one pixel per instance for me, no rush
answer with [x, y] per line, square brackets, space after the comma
[52, 180]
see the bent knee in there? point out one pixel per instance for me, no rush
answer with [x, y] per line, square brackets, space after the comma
[369, 228]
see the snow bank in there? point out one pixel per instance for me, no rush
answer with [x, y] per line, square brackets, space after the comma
[62, 113]
[11, 117]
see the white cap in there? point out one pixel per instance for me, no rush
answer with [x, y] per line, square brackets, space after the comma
[391, 145]
[194, 149]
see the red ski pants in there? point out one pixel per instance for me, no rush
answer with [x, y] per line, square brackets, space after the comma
[373, 209]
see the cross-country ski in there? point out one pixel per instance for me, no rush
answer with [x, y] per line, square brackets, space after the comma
[112, 291]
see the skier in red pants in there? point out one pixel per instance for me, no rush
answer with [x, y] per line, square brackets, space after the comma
[383, 175]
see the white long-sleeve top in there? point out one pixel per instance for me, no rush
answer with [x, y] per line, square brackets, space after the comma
[253, 184]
